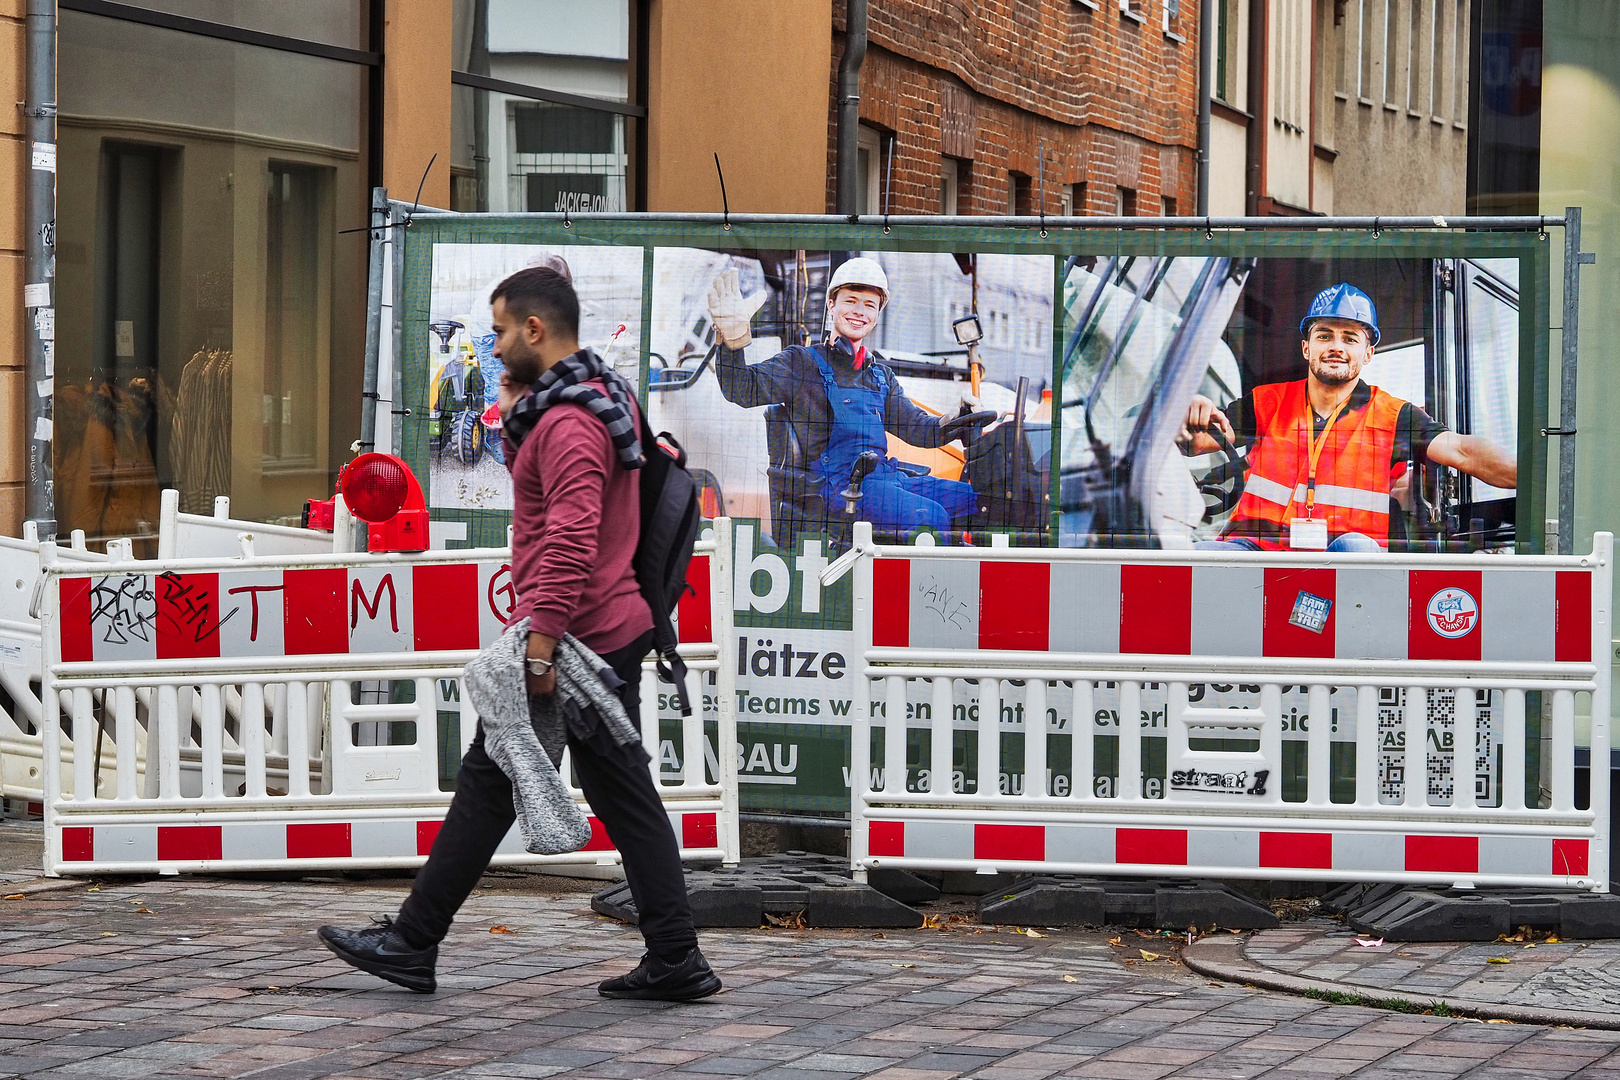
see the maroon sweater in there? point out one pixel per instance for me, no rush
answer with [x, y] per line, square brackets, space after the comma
[576, 517]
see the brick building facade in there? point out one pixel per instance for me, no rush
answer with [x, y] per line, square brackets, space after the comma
[1108, 90]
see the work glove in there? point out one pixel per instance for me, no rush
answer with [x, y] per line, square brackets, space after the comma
[731, 312]
[966, 425]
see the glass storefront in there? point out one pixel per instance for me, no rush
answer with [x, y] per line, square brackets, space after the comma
[571, 151]
[1547, 105]
[210, 329]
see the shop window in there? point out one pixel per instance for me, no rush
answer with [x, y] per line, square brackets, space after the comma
[204, 189]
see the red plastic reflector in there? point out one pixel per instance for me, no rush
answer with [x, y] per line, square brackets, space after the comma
[375, 487]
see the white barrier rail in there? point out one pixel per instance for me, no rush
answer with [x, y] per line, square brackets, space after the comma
[180, 536]
[248, 681]
[1439, 697]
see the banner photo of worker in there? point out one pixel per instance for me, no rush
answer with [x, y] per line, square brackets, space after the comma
[815, 389]
[1332, 404]
[467, 471]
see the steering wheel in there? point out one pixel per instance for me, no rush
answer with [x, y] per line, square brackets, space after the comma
[1224, 483]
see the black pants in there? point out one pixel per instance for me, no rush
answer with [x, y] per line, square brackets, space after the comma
[621, 792]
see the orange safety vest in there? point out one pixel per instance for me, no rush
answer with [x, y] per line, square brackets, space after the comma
[1352, 474]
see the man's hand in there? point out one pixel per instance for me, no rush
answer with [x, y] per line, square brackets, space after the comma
[509, 393]
[542, 647]
[731, 312]
[966, 425]
[1201, 416]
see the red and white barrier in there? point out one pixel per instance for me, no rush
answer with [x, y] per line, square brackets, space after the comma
[290, 708]
[1433, 665]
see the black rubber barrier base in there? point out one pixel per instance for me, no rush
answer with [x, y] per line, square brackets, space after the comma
[816, 888]
[1406, 913]
[1143, 903]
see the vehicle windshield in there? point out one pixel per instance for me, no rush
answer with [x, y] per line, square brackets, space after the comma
[1121, 318]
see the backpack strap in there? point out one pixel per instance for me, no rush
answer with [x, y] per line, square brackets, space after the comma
[671, 667]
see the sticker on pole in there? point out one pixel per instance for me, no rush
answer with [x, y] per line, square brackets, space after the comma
[1453, 613]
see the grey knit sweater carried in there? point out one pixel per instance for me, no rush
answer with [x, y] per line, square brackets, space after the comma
[525, 736]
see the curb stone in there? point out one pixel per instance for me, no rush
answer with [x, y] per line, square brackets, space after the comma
[1224, 959]
[42, 885]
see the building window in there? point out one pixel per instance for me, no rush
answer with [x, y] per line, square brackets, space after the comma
[1125, 206]
[541, 117]
[200, 230]
[1222, 16]
[868, 170]
[1077, 199]
[949, 171]
[1020, 195]
[1169, 206]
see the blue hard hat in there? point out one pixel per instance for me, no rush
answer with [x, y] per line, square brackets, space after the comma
[1342, 301]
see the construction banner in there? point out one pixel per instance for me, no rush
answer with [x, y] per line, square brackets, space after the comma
[1173, 389]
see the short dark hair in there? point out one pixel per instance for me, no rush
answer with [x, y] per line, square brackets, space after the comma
[543, 292]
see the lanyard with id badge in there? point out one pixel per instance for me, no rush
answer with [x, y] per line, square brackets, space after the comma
[1310, 533]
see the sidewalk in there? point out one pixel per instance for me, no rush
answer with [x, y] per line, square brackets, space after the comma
[1553, 982]
[197, 977]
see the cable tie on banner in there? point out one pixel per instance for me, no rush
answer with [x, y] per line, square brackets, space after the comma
[372, 394]
[1209, 233]
[399, 412]
[725, 205]
[1377, 230]
[885, 224]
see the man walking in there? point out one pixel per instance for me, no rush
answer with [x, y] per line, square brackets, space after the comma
[575, 521]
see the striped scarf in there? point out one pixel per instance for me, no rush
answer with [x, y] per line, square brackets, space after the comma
[564, 382]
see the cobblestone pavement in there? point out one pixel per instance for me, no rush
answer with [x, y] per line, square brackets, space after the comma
[1583, 975]
[224, 978]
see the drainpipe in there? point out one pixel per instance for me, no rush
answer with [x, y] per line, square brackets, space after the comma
[40, 265]
[1254, 145]
[1206, 86]
[849, 104]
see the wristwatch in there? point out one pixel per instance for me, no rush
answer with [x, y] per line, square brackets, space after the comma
[537, 666]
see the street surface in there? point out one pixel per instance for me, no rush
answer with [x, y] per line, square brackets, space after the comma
[192, 977]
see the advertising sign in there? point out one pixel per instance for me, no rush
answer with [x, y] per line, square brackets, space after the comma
[1176, 390]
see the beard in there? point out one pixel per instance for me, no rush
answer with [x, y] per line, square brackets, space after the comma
[522, 364]
[1338, 375]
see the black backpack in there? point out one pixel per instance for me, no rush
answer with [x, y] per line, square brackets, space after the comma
[670, 513]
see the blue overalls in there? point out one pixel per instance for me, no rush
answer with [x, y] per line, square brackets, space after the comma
[892, 499]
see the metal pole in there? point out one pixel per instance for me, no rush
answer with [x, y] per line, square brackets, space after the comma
[396, 239]
[1574, 257]
[849, 105]
[1431, 222]
[374, 284]
[1206, 87]
[40, 265]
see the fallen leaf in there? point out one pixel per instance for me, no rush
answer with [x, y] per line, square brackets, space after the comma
[144, 911]
[17, 896]
[1115, 941]
[1499, 1021]
[902, 965]
[93, 888]
[1499, 960]
[1553, 939]
[1369, 943]
[1027, 932]
[108, 933]
[1148, 955]
[501, 930]
[1130, 963]
[1070, 978]
[880, 936]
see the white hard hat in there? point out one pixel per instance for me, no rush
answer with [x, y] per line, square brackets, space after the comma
[863, 272]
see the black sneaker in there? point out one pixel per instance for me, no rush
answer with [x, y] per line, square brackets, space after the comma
[383, 951]
[687, 979]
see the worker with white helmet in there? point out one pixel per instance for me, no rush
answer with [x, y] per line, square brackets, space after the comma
[842, 399]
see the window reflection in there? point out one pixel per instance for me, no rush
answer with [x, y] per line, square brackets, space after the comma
[210, 309]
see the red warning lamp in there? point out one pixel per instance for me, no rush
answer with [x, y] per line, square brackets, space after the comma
[380, 490]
